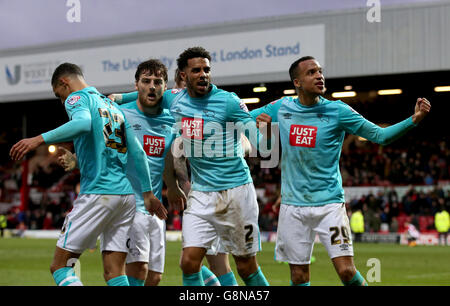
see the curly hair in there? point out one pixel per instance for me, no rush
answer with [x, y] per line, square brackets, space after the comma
[152, 66]
[191, 53]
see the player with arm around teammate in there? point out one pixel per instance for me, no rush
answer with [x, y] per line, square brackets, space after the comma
[219, 271]
[153, 128]
[103, 142]
[312, 130]
[216, 256]
[222, 202]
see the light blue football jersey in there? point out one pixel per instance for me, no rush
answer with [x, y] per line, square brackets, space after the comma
[311, 140]
[155, 135]
[209, 128]
[101, 153]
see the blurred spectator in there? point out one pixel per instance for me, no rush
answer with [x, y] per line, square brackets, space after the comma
[442, 223]
[357, 223]
[3, 223]
[48, 221]
[393, 227]
[412, 234]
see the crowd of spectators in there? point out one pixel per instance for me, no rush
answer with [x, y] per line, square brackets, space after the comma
[386, 211]
[403, 163]
[362, 164]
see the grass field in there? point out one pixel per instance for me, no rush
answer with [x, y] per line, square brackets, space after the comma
[25, 262]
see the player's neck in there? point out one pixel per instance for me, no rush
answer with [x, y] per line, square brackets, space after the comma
[78, 84]
[308, 99]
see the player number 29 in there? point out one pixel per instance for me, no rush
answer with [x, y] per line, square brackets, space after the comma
[336, 231]
[121, 146]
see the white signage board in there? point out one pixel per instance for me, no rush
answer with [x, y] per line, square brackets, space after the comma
[239, 54]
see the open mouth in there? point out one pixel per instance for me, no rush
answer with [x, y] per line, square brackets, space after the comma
[202, 85]
[151, 96]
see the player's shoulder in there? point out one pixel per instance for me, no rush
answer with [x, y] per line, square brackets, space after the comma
[126, 106]
[220, 93]
[283, 100]
[337, 103]
[166, 115]
[276, 105]
[91, 92]
[232, 100]
[172, 93]
[74, 98]
[77, 98]
[341, 106]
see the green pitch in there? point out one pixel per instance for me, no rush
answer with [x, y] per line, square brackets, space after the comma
[26, 262]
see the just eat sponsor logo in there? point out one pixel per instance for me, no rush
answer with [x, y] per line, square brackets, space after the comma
[302, 136]
[192, 128]
[154, 145]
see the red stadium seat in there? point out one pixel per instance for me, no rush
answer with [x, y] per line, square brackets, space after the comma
[423, 223]
[401, 219]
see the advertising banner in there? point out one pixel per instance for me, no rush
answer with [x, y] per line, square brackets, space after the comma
[237, 54]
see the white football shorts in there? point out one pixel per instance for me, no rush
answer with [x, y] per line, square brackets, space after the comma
[94, 215]
[216, 248]
[298, 226]
[231, 215]
[147, 241]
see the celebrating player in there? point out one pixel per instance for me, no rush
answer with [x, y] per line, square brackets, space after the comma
[217, 258]
[312, 130]
[222, 201]
[152, 126]
[106, 205]
[216, 255]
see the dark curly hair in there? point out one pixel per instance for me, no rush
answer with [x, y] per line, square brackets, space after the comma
[191, 53]
[152, 66]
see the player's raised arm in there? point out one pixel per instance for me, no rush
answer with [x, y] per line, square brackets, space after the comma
[422, 108]
[21, 148]
[354, 123]
[123, 98]
[270, 109]
[267, 115]
[80, 124]
[238, 113]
